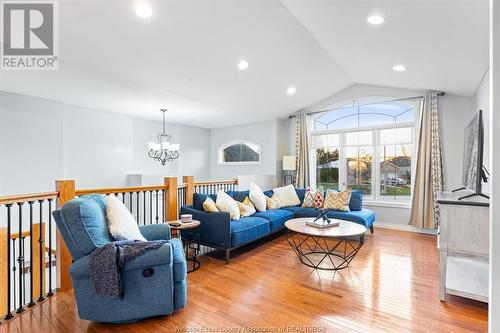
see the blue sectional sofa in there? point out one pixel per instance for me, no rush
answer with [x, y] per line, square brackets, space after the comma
[218, 231]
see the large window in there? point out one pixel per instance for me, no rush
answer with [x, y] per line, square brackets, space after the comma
[367, 147]
[239, 152]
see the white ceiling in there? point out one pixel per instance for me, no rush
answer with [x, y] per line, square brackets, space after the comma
[185, 56]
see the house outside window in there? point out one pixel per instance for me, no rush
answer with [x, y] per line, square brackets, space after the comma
[366, 146]
[240, 152]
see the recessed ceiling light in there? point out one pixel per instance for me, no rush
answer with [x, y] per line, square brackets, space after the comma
[375, 19]
[242, 65]
[291, 90]
[399, 68]
[143, 10]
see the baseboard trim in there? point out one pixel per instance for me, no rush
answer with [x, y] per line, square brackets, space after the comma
[405, 227]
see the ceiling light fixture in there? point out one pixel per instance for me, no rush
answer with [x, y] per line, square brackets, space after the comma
[291, 90]
[242, 65]
[375, 19]
[399, 68]
[143, 10]
[163, 150]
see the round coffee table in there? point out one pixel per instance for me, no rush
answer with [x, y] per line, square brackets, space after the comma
[189, 244]
[329, 248]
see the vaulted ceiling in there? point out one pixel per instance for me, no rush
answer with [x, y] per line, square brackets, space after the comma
[185, 56]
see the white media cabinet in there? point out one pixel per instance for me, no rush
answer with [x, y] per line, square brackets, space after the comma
[463, 243]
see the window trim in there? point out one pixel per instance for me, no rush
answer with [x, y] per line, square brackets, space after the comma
[235, 142]
[375, 196]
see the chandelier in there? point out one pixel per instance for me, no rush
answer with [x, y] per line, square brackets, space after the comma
[163, 150]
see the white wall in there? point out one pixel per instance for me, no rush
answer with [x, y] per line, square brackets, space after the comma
[43, 140]
[263, 133]
[494, 299]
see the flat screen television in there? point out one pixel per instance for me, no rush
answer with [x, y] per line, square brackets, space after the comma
[473, 172]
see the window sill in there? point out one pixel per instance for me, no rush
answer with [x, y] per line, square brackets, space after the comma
[389, 204]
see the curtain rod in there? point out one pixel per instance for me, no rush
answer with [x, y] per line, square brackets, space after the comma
[441, 93]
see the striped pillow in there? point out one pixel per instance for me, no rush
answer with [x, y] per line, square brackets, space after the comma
[338, 200]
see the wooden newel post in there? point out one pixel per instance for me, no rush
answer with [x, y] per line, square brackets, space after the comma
[170, 201]
[66, 190]
[189, 180]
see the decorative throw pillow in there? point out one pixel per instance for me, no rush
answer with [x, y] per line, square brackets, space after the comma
[287, 196]
[273, 202]
[210, 206]
[258, 197]
[121, 224]
[227, 204]
[246, 207]
[338, 200]
[313, 199]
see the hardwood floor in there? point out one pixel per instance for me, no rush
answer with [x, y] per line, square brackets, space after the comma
[391, 286]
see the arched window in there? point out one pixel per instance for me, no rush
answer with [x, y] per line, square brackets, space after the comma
[366, 146]
[240, 152]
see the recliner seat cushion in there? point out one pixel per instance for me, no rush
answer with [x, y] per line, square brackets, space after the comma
[247, 229]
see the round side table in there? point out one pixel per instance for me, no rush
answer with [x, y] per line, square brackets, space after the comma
[192, 243]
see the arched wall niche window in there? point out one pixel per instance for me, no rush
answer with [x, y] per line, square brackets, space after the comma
[239, 152]
[366, 145]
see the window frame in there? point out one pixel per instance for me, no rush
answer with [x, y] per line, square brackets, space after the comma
[375, 197]
[221, 148]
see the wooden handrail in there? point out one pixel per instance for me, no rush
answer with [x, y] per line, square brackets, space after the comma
[120, 190]
[182, 185]
[212, 182]
[12, 199]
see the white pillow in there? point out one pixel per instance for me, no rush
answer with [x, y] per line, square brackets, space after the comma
[287, 196]
[227, 204]
[121, 224]
[258, 197]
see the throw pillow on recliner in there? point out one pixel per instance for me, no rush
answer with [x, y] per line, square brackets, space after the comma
[121, 223]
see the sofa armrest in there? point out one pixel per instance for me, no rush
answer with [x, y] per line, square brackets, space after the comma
[214, 229]
[155, 231]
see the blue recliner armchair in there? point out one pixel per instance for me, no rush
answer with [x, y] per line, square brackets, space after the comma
[153, 283]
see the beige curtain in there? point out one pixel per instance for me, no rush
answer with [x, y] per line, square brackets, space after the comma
[302, 151]
[429, 172]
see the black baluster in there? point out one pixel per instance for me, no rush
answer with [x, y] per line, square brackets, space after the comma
[40, 243]
[157, 217]
[14, 270]
[123, 197]
[9, 312]
[137, 206]
[50, 293]
[23, 267]
[31, 303]
[20, 258]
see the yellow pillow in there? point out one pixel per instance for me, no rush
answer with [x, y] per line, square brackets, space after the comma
[246, 207]
[209, 206]
[273, 202]
[338, 200]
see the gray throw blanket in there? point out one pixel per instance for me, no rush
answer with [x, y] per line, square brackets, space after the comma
[107, 262]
